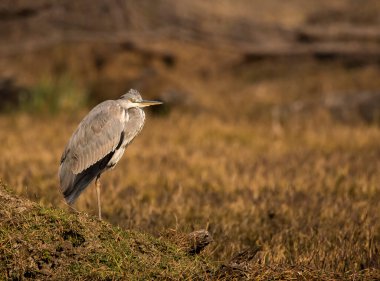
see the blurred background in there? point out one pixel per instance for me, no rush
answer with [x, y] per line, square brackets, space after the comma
[269, 132]
[67, 55]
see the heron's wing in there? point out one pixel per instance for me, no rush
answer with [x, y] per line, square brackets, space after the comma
[99, 133]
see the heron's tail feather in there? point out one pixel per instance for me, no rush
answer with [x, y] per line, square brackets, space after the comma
[80, 183]
[73, 185]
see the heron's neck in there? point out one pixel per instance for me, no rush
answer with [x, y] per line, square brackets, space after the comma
[134, 123]
[136, 114]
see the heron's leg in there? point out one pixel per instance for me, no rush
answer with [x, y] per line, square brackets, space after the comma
[97, 185]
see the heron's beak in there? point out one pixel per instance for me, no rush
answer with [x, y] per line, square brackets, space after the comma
[145, 103]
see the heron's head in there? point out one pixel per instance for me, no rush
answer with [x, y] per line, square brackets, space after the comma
[134, 99]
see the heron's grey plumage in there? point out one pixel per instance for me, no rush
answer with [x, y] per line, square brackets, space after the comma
[99, 142]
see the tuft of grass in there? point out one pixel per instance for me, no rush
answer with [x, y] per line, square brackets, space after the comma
[53, 95]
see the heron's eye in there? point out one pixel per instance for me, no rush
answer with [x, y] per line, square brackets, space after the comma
[133, 100]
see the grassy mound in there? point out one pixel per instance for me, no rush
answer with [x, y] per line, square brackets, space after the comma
[43, 243]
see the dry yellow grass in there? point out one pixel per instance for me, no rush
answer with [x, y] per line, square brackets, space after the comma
[305, 189]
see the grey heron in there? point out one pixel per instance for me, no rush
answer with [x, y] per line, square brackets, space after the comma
[99, 142]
